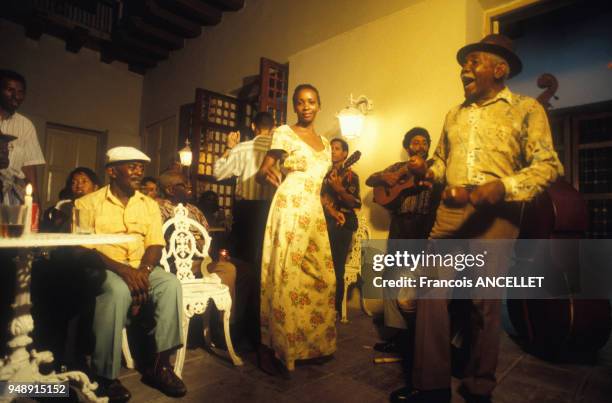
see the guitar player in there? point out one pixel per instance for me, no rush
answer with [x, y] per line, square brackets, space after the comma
[412, 217]
[340, 196]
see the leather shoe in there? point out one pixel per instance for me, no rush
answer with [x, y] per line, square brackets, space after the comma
[472, 398]
[163, 378]
[409, 395]
[113, 389]
[387, 347]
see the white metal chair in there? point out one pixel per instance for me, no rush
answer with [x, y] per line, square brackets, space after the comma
[197, 292]
[352, 267]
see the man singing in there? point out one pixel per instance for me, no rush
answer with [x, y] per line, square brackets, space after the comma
[495, 149]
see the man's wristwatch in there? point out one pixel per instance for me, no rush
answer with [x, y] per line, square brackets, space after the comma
[147, 267]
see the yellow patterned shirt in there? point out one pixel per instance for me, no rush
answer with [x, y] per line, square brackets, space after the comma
[141, 217]
[507, 138]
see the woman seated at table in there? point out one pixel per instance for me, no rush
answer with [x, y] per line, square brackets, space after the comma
[80, 182]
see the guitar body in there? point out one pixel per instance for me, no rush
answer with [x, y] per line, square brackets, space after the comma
[389, 196]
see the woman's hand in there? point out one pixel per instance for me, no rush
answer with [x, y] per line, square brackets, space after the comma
[268, 173]
[273, 177]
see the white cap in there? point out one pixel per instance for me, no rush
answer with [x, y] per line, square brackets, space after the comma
[122, 154]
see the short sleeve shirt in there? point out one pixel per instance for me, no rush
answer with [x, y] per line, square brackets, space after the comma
[140, 217]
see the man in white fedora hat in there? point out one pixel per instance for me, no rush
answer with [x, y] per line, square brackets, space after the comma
[133, 278]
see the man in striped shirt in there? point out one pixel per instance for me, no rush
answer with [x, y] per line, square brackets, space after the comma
[24, 152]
[243, 160]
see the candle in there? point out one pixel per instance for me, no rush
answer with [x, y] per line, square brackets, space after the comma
[28, 206]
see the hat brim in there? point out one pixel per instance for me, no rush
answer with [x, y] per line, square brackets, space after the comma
[515, 64]
[111, 163]
[7, 137]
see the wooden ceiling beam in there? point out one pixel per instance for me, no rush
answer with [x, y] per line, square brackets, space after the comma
[145, 47]
[113, 51]
[167, 20]
[195, 10]
[34, 27]
[76, 39]
[139, 27]
[226, 5]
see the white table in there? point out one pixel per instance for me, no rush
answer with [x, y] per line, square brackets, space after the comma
[21, 365]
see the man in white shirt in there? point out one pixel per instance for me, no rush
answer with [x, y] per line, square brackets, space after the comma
[24, 152]
[243, 160]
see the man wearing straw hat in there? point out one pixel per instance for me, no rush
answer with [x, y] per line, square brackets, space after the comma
[495, 150]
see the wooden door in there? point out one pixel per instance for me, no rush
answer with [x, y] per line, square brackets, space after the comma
[67, 148]
[160, 144]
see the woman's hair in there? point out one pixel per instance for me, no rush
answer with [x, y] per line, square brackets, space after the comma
[301, 87]
[93, 177]
[148, 179]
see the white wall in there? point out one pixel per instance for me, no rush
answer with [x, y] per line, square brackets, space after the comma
[405, 63]
[227, 53]
[73, 89]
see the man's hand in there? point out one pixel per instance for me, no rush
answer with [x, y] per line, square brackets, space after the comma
[490, 193]
[233, 138]
[137, 281]
[427, 180]
[417, 165]
[338, 216]
[390, 178]
[335, 181]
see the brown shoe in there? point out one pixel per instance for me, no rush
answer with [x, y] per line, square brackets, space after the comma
[113, 389]
[163, 378]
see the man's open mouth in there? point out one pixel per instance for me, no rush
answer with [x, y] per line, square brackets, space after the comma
[467, 80]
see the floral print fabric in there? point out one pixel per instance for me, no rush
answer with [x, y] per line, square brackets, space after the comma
[297, 272]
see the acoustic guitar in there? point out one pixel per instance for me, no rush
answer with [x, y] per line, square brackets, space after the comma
[353, 158]
[389, 196]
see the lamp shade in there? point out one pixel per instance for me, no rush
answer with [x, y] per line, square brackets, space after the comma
[186, 155]
[351, 122]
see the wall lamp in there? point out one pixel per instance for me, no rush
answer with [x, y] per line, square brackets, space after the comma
[352, 117]
[186, 155]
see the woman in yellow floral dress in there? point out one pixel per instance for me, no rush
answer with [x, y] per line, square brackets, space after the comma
[297, 272]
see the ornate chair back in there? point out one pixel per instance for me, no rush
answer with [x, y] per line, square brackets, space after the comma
[182, 245]
[352, 266]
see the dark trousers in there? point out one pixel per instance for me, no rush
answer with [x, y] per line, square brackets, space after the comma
[246, 240]
[432, 351]
[65, 287]
[340, 242]
[248, 228]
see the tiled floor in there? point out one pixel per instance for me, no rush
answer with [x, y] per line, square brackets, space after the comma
[353, 377]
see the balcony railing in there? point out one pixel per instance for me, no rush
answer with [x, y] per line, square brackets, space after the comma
[97, 16]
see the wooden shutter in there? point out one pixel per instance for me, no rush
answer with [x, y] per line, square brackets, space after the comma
[273, 91]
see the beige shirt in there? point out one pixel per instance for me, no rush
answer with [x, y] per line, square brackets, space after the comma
[507, 138]
[23, 151]
[139, 217]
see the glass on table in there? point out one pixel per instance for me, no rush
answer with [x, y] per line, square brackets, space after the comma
[83, 221]
[12, 221]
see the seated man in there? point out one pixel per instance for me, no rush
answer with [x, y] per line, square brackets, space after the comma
[235, 273]
[133, 278]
